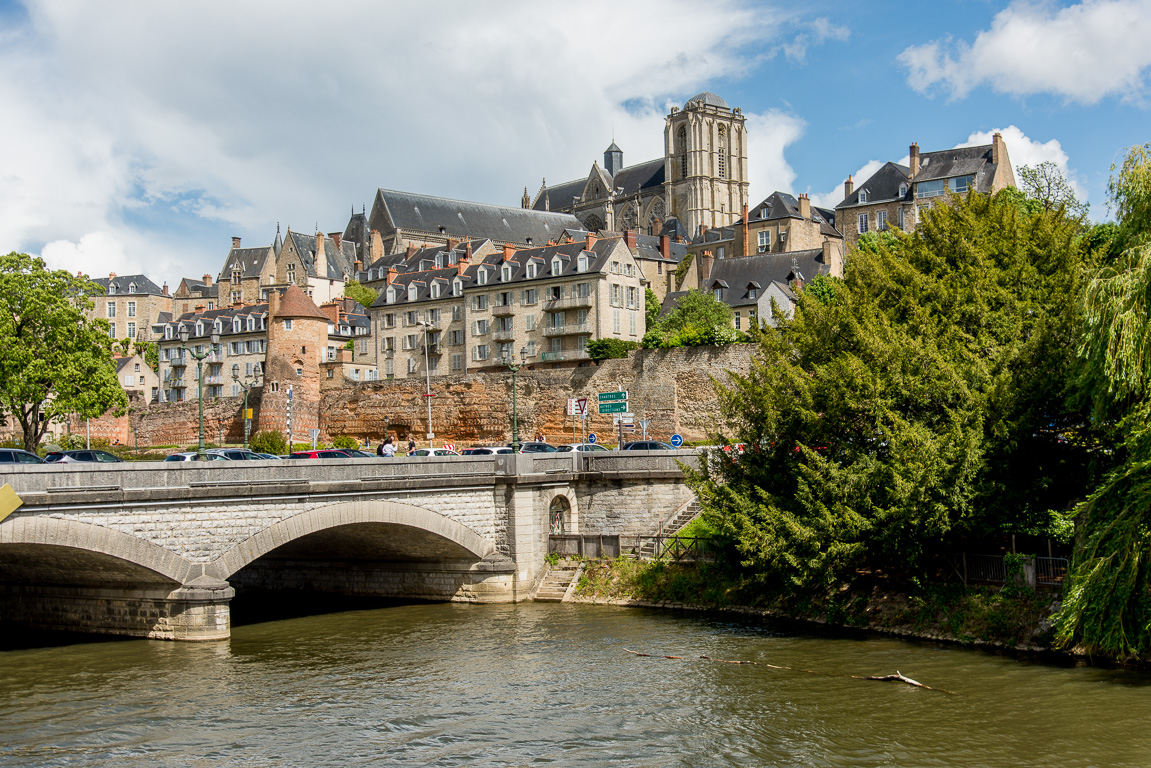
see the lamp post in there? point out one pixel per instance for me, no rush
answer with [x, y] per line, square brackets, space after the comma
[246, 384]
[199, 357]
[428, 377]
[509, 359]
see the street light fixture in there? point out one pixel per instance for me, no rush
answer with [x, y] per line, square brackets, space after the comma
[428, 377]
[199, 357]
[508, 358]
[246, 384]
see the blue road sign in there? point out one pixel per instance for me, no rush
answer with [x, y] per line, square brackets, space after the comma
[676, 441]
[591, 437]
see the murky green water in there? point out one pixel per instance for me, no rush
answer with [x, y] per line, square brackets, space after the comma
[452, 685]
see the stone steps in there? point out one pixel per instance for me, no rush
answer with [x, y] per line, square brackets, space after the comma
[685, 515]
[557, 583]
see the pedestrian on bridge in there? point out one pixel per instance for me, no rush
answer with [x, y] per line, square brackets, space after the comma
[387, 448]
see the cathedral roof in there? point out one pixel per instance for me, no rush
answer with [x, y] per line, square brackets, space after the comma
[707, 98]
[478, 221]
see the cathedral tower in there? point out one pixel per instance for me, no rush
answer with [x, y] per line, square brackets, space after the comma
[705, 163]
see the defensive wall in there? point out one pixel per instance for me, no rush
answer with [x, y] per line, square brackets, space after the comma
[158, 549]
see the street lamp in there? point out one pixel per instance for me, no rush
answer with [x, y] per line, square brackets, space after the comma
[428, 376]
[199, 357]
[246, 384]
[508, 358]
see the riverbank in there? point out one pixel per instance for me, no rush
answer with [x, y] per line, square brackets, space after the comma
[1010, 618]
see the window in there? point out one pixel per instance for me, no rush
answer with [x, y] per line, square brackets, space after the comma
[389, 320]
[136, 367]
[531, 270]
[413, 290]
[751, 293]
[764, 240]
[435, 290]
[582, 290]
[902, 188]
[480, 327]
[480, 352]
[391, 299]
[211, 305]
[721, 160]
[504, 299]
[930, 188]
[737, 321]
[530, 322]
[299, 371]
[721, 253]
[456, 338]
[291, 273]
[410, 317]
[881, 221]
[390, 368]
[862, 223]
[632, 297]
[131, 287]
[718, 293]
[457, 362]
[457, 313]
[432, 316]
[555, 293]
[631, 316]
[557, 345]
[412, 364]
[507, 349]
[457, 286]
[615, 320]
[251, 324]
[131, 330]
[111, 309]
[530, 296]
[557, 320]
[616, 299]
[235, 325]
[901, 226]
[557, 265]
[681, 145]
[411, 341]
[863, 196]
[480, 302]
[581, 264]
[131, 309]
[506, 273]
[482, 276]
[530, 349]
[960, 184]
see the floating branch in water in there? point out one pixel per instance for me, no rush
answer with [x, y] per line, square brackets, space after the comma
[898, 677]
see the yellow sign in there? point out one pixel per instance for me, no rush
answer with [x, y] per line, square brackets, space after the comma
[9, 501]
[248, 414]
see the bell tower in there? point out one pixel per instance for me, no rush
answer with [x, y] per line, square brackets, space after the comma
[705, 163]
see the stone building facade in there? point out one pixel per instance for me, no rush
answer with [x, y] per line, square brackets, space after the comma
[131, 304]
[297, 343]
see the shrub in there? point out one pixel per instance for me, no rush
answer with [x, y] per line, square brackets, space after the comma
[345, 441]
[269, 442]
[607, 349]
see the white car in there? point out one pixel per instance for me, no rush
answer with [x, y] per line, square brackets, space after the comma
[432, 452]
[583, 447]
[486, 450]
[191, 456]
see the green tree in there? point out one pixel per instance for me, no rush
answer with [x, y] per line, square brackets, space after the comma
[923, 402]
[1046, 185]
[1107, 601]
[651, 307]
[360, 293]
[607, 349]
[269, 442]
[697, 319]
[54, 362]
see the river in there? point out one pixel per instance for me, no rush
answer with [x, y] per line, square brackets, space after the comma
[535, 684]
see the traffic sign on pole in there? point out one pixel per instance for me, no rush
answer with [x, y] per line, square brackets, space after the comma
[592, 438]
[676, 441]
[577, 406]
[618, 406]
[605, 397]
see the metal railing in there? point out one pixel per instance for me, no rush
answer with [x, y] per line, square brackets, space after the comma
[569, 329]
[992, 569]
[572, 302]
[1050, 571]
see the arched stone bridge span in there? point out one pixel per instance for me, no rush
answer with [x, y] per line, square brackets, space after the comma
[159, 549]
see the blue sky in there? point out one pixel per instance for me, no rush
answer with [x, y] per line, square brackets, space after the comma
[141, 136]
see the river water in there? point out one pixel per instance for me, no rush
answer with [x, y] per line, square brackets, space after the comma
[534, 684]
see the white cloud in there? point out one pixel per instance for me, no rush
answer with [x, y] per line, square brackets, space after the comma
[165, 123]
[1083, 53]
[769, 134]
[834, 197]
[814, 33]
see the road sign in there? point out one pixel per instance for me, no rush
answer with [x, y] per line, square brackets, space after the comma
[627, 426]
[624, 417]
[619, 406]
[450, 446]
[676, 441]
[591, 438]
[577, 406]
[605, 397]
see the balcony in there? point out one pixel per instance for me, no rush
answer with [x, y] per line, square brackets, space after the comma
[178, 362]
[389, 352]
[554, 305]
[569, 329]
[508, 335]
[560, 357]
[503, 310]
[217, 379]
[432, 349]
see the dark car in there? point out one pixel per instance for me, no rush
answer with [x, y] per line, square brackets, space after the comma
[68, 457]
[534, 447]
[236, 454]
[17, 456]
[321, 453]
[647, 445]
[194, 456]
[356, 453]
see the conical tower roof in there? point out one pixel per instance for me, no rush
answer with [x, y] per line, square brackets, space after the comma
[295, 303]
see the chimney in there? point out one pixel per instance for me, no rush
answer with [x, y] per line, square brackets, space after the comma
[235, 242]
[358, 266]
[746, 234]
[468, 248]
[705, 262]
[375, 246]
[273, 305]
[207, 281]
[805, 207]
[199, 308]
[462, 264]
[392, 272]
[848, 188]
[337, 238]
[703, 229]
[914, 159]
[833, 258]
[165, 288]
[630, 238]
[237, 304]
[665, 246]
[590, 241]
[997, 148]
[509, 251]
[332, 310]
[656, 226]
[452, 243]
[112, 275]
[411, 250]
[321, 257]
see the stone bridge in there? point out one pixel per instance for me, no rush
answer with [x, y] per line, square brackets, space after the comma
[159, 549]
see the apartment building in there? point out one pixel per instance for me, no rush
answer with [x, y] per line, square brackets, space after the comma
[135, 375]
[542, 304]
[130, 304]
[242, 330]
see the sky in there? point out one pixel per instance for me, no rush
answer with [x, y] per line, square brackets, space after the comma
[139, 137]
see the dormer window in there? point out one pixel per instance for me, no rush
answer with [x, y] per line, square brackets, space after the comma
[235, 325]
[863, 196]
[168, 332]
[251, 323]
[903, 189]
[581, 263]
[392, 295]
[531, 270]
[763, 212]
[413, 290]
[425, 265]
[457, 286]
[439, 261]
[482, 276]
[217, 326]
[435, 290]
[199, 328]
[506, 273]
[557, 265]
[131, 287]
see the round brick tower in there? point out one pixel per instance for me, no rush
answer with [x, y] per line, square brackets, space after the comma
[297, 338]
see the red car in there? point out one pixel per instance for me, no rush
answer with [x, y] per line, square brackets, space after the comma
[321, 453]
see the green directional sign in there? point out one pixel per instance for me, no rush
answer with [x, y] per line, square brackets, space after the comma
[605, 397]
[619, 406]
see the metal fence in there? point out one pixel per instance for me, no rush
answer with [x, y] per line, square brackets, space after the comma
[680, 549]
[1050, 571]
[992, 569]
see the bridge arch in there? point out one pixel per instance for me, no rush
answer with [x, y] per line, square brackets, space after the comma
[348, 513]
[46, 534]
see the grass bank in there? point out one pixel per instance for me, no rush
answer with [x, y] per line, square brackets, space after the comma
[1011, 617]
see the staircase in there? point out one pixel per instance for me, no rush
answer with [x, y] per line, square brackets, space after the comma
[672, 526]
[559, 582]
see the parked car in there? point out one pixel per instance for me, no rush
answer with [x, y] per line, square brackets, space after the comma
[647, 445]
[486, 450]
[356, 453]
[432, 452]
[193, 456]
[321, 453]
[269, 456]
[69, 457]
[584, 447]
[17, 456]
[534, 447]
[237, 454]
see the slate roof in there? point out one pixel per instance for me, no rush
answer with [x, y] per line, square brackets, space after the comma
[633, 179]
[714, 235]
[647, 247]
[340, 260]
[883, 185]
[250, 261]
[200, 289]
[760, 269]
[118, 286]
[359, 234]
[460, 218]
[781, 205]
[224, 314]
[600, 254]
